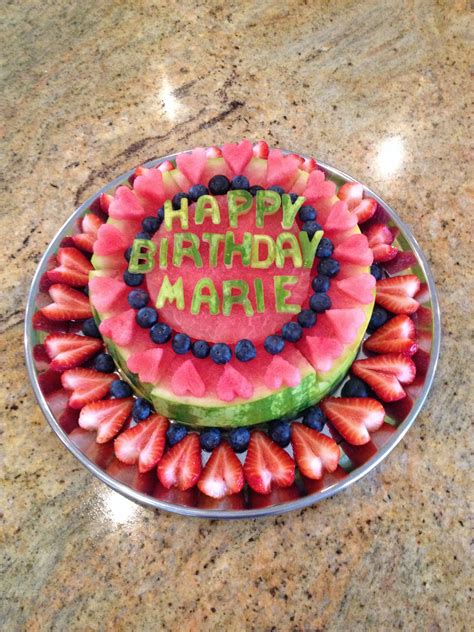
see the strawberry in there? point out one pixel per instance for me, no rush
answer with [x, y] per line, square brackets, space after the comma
[402, 367]
[299, 159]
[354, 417]
[396, 293]
[143, 443]
[385, 374]
[351, 192]
[84, 241]
[86, 385]
[74, 268]
[106, 416]
[396, 336]
[380, 238]
[364, 210]
[313, 451]
[267, 465]
[67, 351]
[260, 149]
[167, 165]
[68, 304]
[309, 164]
[91, 223]
[181, 466]
[41, 323]
[223, 474]
[213, 152]
[104, 201]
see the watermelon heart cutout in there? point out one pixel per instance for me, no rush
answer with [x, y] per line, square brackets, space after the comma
[193, 164]
[121, 328]
[237, 155]
[233, 384]
[146, 364]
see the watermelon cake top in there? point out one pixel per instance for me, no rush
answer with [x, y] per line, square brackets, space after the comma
[233, 287]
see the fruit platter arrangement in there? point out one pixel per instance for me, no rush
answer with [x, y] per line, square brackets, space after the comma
[232, 331]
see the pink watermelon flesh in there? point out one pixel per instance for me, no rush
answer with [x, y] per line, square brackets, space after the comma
[147, 364]
[237, 155]
[280, 373]
[339, 218]
[354, 249]
[125, 205]
[120, 329]
[282, 170]
[360, 287]
[321, 351]
[193, 164]
[256, 172]
[345, 322]
[110, 240]
[233, 384]
[187, 381]
[150, 189]
[106, 292]
[221, 328]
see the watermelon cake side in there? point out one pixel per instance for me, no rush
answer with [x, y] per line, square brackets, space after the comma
[226, 354]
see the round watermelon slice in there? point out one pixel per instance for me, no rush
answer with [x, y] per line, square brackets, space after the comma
[198, 391]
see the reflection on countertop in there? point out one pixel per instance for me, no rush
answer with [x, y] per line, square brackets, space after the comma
[378, 89]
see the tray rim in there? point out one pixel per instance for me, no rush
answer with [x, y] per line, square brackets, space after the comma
[299, 503]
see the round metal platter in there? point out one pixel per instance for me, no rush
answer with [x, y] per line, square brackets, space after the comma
[354, 465]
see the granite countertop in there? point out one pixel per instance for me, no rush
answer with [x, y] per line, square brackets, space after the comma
[379, 89]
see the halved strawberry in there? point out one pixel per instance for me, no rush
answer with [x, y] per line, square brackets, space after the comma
[364, 210]
[213, 152]
[313, 451]
[68, 304]
[351, 192]
[143, 443]
[267, 464]
[74, 268]
[84, 241]
[396, 293]
[396, 336]
[223, 474]
[91, 223]
[67, 351]
[166, 165]
[379, 234]
[384, 252]
[384, 385]
[397, 364]
[354, 417]
[86, 385]
[104, 201]
[106, 416]
[309, 164]
[181, 466]
[41, 323]
[260, 149]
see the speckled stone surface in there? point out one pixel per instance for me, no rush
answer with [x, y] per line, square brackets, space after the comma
[379, 89]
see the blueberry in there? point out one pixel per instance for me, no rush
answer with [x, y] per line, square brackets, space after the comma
[143, 235]
[104, 363]
[314, 418]
[160, 333]
[277, 189]
[151, 224]
[200, 349]
[311, 228]
[280, 432]
[321, 283]
[176, 201]
[376, 271]
[329, 267]
[325, 248]
[160, 213]
[128, 253]
[196, 191]
[131, 279]
[291, 331]
[240, 182]
[253, 190]
[245, 350]
[239, 439]
[221, 353]
[141, 409]
[210, 439]
[219, 185]
[307, 213]
[86, 290]
[120, 389]
[181, 343]
[319, 303]
[274, 344]
[147, 317]
[379, 318]
[293, 197]
[138, 299]
[307, 318]
[89, 328]
[176, 433]
[355, 388]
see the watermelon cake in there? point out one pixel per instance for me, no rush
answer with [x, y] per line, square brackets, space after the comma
[213, 301]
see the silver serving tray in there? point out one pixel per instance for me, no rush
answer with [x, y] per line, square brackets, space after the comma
[356, 467]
